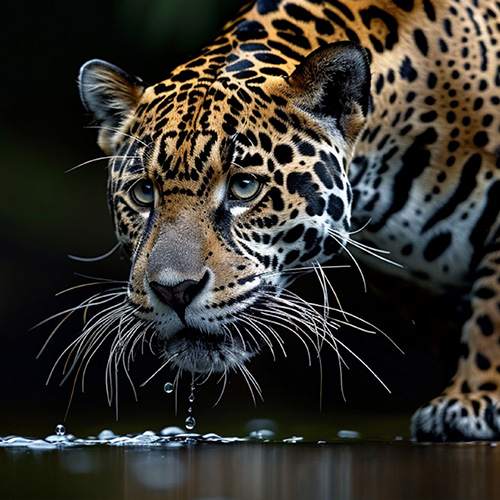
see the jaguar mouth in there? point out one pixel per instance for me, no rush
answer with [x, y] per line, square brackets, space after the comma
[201, 352]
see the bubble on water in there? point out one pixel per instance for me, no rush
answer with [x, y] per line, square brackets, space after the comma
[262, 434]
[106, 434]
[190, 423]
[168, 387]
[293, 439]
[60, 430]
[171, 431]
[260, 424]
[347, 434]
[41, 444]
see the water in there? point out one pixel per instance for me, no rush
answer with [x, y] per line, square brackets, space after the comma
[293, 439]
[60, 430]
[350, 434]
[190, 423]
[169, 436]
[194, 467]
[168, 387]
[269, 458]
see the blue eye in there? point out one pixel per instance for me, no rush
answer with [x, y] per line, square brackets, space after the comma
[143, 193]
[244, 187]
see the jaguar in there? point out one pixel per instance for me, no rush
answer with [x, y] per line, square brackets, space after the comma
[306, 128]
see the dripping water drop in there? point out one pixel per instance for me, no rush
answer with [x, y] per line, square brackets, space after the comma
[191, 398]
[60, 430]
[190, 423]
[168, 387]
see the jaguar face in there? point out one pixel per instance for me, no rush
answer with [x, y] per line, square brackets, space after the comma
[221, 190]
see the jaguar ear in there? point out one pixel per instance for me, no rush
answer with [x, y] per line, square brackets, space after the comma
[334, 81]
[110, 95]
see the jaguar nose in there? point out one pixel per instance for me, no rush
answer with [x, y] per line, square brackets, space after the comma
[179, 296]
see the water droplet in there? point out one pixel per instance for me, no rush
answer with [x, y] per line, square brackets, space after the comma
[190, 410]
[191, 398]
[60, 430]
[190, 423]
[168, 387]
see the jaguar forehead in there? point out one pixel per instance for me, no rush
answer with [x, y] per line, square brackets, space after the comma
[191, 156]
[192, 106]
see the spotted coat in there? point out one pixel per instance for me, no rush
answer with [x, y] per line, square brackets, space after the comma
[301, 123]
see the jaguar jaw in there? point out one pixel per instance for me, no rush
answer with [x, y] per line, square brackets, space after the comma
[200, 352]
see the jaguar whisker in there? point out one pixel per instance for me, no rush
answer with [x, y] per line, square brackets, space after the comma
[251, 382]
[119, 131]
[101, 158]
[342, 244]
[374, 252]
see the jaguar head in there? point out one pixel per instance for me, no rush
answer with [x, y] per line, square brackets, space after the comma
[223, 188]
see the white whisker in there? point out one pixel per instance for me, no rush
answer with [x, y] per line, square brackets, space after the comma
[117, 131]
[284, 322]
[162, 366]
[222, 378]
[355, 262]
[286, 308]
[100, 257]
[372, 329]
[251, 382]
[256, 324]
[69, 312]
[374, 252]
[102, 158]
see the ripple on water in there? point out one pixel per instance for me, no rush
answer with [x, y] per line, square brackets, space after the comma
[171, 436]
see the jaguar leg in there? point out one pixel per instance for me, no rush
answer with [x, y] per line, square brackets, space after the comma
[469, 408]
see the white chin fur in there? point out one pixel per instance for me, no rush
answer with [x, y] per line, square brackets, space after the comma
[213, 354]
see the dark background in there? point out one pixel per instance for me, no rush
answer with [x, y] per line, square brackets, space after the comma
[47, 214]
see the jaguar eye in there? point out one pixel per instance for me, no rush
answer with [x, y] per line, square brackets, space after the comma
[244, 187]
[143, 193]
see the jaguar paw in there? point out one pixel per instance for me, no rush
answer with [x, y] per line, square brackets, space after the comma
[472, 417]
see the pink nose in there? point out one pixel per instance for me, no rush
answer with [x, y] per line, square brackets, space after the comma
[179, 296]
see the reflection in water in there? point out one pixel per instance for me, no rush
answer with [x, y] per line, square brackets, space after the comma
[150, 471]
[250, 471]
[190, 470]
[347, 471]
[80, 461]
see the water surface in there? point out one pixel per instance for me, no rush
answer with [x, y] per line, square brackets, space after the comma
[206, 467]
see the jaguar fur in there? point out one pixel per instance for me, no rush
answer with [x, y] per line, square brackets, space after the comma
[301, 122]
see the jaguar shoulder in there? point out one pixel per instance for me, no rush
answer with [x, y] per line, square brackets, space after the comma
[302, 122]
